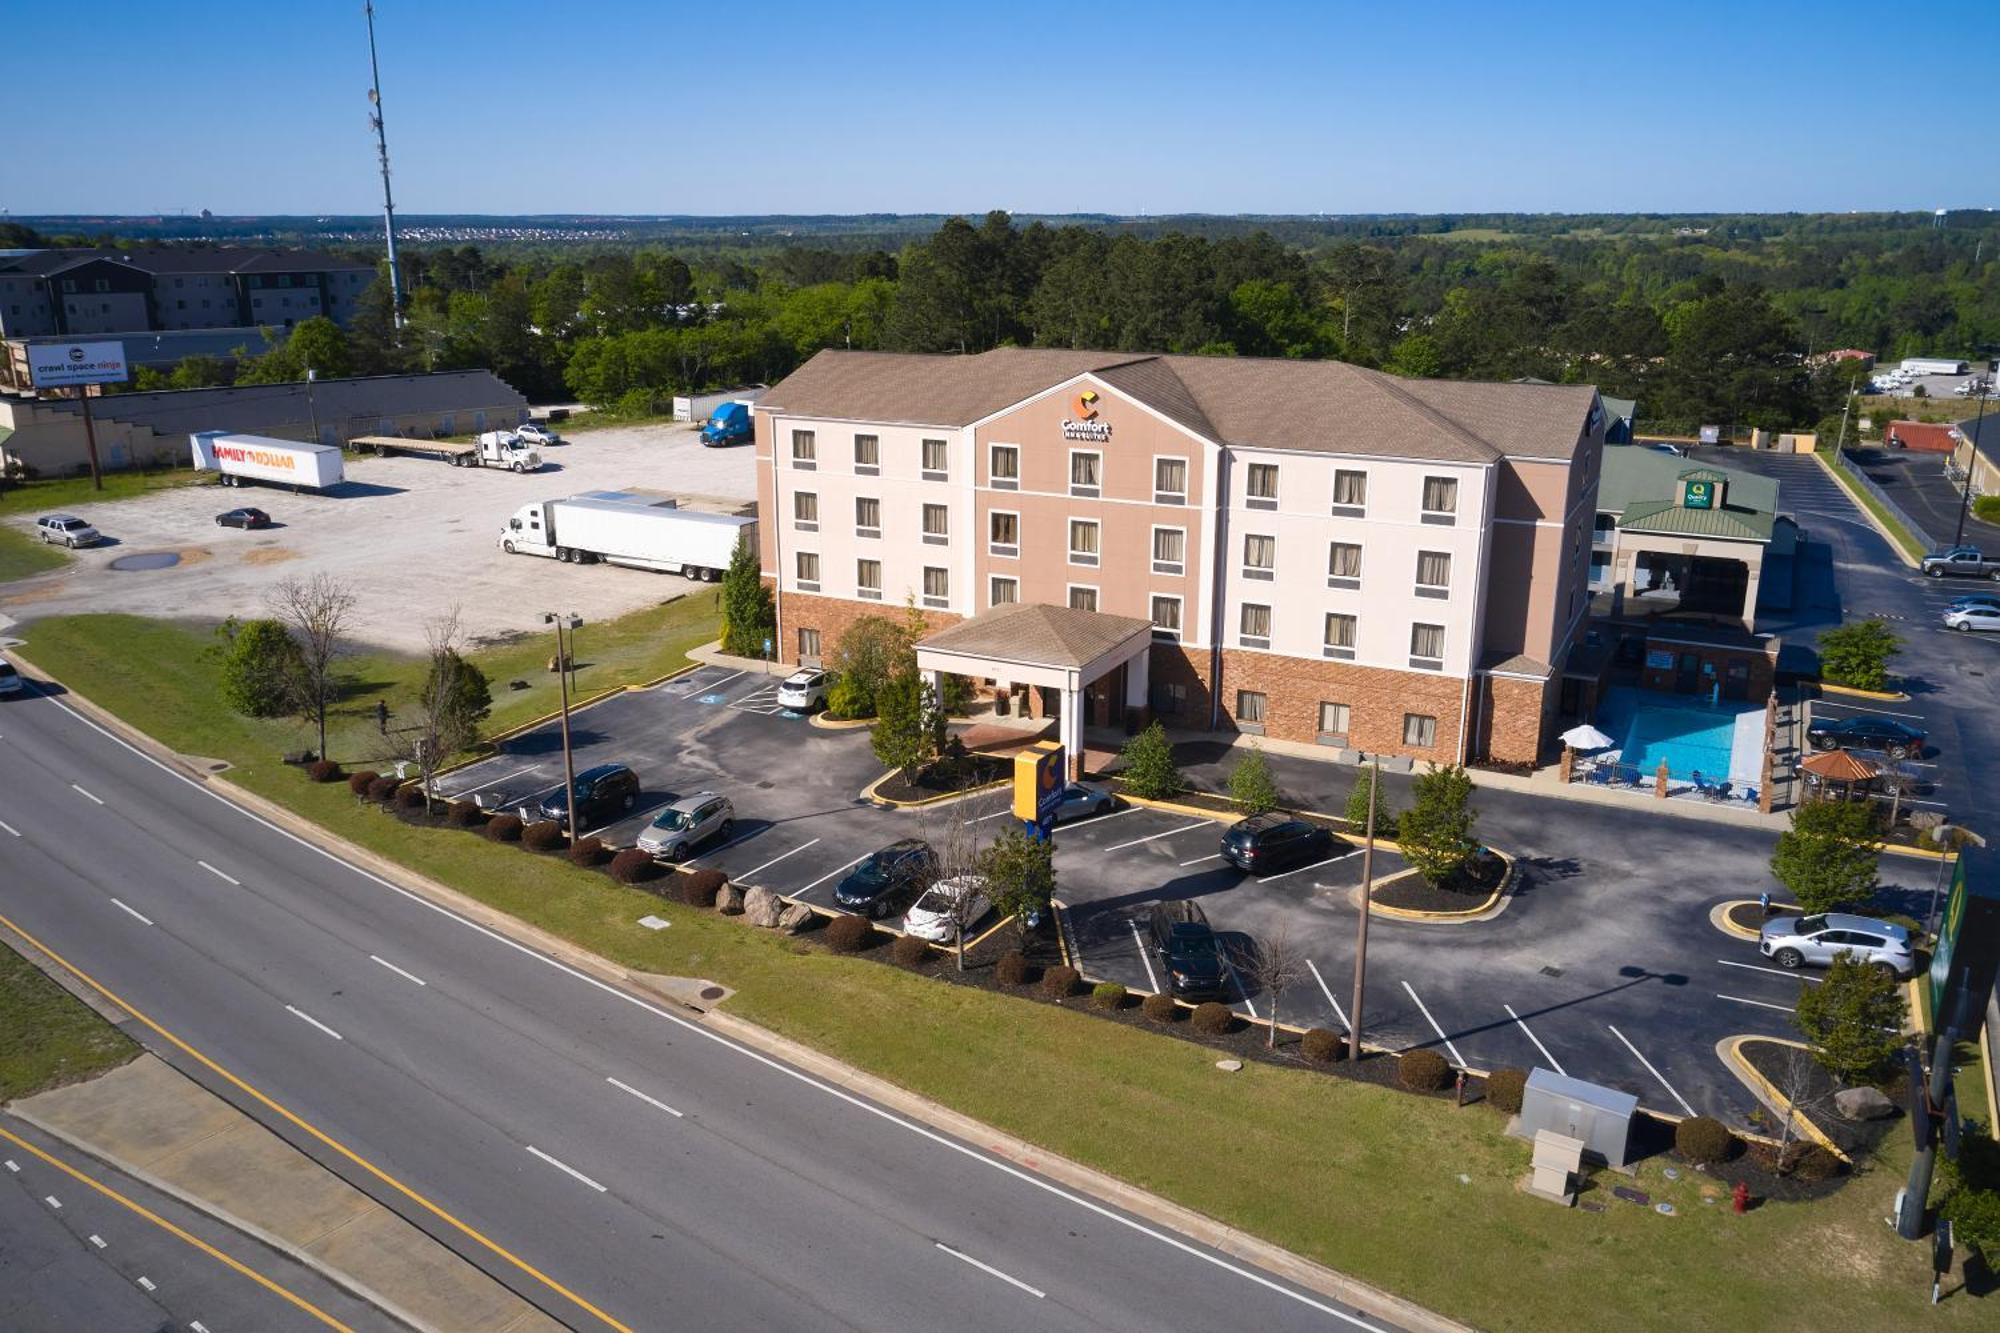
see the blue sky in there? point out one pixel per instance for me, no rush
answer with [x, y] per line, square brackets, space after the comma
[507, 106]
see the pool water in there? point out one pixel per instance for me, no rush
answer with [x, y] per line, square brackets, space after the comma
[1680, 729]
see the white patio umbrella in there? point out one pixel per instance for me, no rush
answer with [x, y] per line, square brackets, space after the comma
[1586, 737]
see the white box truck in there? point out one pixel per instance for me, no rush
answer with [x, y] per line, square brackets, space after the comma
[241, 459]
[623, 528]
[1932, 365]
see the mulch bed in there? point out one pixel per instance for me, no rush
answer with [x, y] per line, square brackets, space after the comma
[1465, 891]
[946, 778]
[1857, 1138]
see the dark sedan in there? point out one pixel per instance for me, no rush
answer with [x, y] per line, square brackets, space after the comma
[1896, 739]
[243, 518]
[888, 878]
[1265, 843]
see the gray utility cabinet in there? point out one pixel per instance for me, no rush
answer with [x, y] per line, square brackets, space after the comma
[1601, 1117]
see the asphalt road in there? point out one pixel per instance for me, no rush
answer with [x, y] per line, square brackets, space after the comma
[664, 1175]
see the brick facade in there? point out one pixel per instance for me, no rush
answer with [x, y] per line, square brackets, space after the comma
[832, 615]
[1511, 717]
[1377, 700]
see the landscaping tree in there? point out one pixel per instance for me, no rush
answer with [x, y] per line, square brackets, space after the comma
[1853, 1019]
[1436, 831]
[316, 611]
[453, 699]
[957, 857]
[1357, 803]
[1020, 874]
[1857, 655]
[1149, 765]
[1802, 1093]
[747, 616]
[1277, 965]
[867, 655]
[905, 733]
[1826, 859]
[259, 668]
[1251, 785]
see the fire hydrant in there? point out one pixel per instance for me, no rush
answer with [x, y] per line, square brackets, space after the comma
[1739, 1197]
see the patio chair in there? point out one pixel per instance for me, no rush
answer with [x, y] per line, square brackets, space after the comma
[1599, 774]
[1750, 795]
[1703, 786]
[1719, 792]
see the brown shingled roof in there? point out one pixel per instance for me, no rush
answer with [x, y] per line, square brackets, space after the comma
[1035, 634]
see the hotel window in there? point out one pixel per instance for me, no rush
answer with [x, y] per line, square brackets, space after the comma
[1427, 647]
[937, 525]
[1085, 473]
[1343, 565]
[805, 451]
[1003, 533]
[1350, 494]
[867, 517]
[1260, 556]
[1167, 619]
[1082, 597]
[808, 646]
[1440, 500]
[934, 460]
[868, 579]
[1333, 723]
[1170, 550]
[805, 511]
[867, 455]
[1339, 636]
[808, 571]
[1169, 698]
[1170, 481]
[1250, 708]
[1433, 574]
[1420, 730]
[1001, 591]
[937, 586]
[1260, 487]
[1006, 467]
[1082, 542]
[1254, 626]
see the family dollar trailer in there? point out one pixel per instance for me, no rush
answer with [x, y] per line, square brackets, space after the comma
[624, 528]
[243, 459]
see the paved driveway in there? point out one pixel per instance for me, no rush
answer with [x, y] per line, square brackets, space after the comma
[1918, 484]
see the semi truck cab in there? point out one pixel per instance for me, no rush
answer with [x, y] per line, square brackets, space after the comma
[729, 424]
[503, 448]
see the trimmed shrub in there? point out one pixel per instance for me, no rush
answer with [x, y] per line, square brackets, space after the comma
[1012, 969]
[1704, 1140]
[1811, 1163]
[632, 866]
[1322, 1047]
[411, 798]
[587, 851]
[1423, 1071]
[697, 888]
[323, 770]
[1211, 1019]
[504, 828]
[462, 814]
[1107, 995]
[544, 835]
[1059, 982]
[383, 788]
[1505, 1088]
[1160, 1008]
[909, 950]
[849, 934]
[359, 783]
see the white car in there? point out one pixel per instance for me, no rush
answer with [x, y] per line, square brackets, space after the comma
[534, 432]
[946, 907]
[10, 679]
[803, 690]
[68, 529]
[1972, 618]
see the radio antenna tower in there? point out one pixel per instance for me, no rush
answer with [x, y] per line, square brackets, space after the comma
[382, 153]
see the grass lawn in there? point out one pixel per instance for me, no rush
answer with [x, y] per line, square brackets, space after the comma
[48, 1037]
[1409, 1194]
[22, 555]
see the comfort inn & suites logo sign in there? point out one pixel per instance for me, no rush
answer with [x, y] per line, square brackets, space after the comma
[1083, 422]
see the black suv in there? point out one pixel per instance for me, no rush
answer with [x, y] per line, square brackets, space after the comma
[1268, 842]
[1898, 740]
[1188, 951]
[887, 878]
[608, 789]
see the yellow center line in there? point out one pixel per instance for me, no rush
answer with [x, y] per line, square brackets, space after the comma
[392, 1182]
[175, 1231]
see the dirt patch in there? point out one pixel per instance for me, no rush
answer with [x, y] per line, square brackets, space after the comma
[269, 555]
[193, 555]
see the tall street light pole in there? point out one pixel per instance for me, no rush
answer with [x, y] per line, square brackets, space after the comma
[1972, 458]
[572, 623]
[1367, 894]
[382, 155]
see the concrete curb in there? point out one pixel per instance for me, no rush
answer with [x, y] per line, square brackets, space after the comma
[1730, 1051]
[825, 723]
[1718, 916]
[868, 794]
[1827, 687]
[270, 1240]
[1104, 1188]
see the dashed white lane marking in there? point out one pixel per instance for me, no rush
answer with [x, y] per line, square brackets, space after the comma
[1185, 828]
[565, 1168]
[1761, 1004]
[13, 1166]
[52, 1201]
[1554, 1063]
[1649, 1069]
[142, 918]
[1774, 971]
[225, 878]
[147, 1283]
[10, 828]
[407, 976]
[650, 1101]
[1456, 1058]
[1327, 991]
[1267, 879]
[1145, 955]
[774, 860]
[97, 1240]
[86, 795]
[300, 1013]
[1011, 1281]
[800, 893]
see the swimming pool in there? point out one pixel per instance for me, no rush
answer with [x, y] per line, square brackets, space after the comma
[1680, 729]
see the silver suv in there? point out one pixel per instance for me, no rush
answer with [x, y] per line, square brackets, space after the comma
[68, 529]
[1815, 941]
[683, 826]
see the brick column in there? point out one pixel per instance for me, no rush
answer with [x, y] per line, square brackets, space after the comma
[1568, 765]
[1660, 782]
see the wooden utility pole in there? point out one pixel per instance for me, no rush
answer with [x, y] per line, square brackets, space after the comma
[1367, 898]
[90, 437]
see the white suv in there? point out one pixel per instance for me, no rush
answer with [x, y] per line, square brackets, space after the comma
[68, 529]
[534, 432]
[803, 690]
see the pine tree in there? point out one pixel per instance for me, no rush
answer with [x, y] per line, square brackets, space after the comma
[1251, 785]
[747, 615]
[1435, 833]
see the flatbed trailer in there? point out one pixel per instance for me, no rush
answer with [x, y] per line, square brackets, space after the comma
[451, 451]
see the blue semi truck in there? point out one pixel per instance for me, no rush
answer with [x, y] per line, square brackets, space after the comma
[730, 423]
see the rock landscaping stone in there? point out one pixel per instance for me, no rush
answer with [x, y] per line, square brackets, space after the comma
[729, 900]
[762, 907]
[1863, 1104]
[1229, 1066]
[795, 917]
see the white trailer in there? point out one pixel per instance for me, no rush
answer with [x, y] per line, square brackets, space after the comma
[1932, 365]
[701, 406]
[241, 459]
[622, 528]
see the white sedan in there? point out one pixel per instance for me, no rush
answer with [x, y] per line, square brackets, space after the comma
[1972, 618]
[947, 907]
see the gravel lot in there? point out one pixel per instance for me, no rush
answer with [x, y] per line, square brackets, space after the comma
[385, 530]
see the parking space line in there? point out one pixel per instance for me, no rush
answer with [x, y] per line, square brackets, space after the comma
[1818, 704]
[800, 893]
[499, 782]
[10, 828]
[1327, 991]
[1761, 1004]
[1649, 1069]
[1212, 856]
[636, 814]
[1241, 989]
[733, 842]
[1774, 971]
[1456, 1057]
[718, 684]
[774, 860]
[1266, 879]
[1185, 828]
[1145, 956]
[1099, 819]
[1554, 1063]
[981, 819]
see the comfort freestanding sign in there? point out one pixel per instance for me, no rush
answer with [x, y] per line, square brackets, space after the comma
[66, 365]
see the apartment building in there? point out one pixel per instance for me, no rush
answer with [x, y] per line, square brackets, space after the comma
[1303, 550]
[75, 293]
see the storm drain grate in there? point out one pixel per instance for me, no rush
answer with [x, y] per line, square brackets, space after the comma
[1552, 971]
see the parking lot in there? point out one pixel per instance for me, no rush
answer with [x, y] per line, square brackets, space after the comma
[413, 537]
